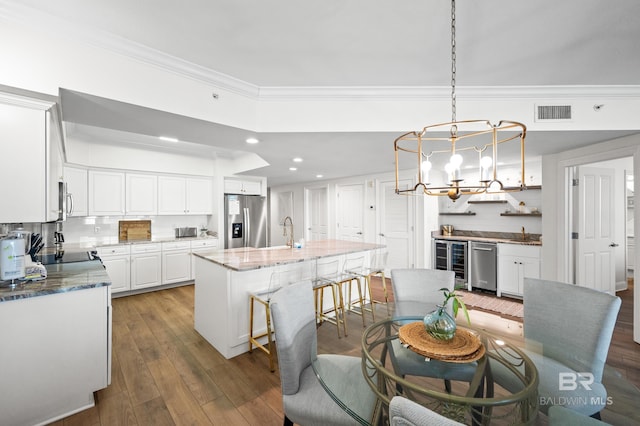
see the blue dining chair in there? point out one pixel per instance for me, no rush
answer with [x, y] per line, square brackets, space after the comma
[304, 399]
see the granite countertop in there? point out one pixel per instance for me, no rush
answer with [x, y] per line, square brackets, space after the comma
[491, 237]
[244, 259]
[61, 278]
[116, 242]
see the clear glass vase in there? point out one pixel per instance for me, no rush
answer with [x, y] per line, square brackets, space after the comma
[440, 324]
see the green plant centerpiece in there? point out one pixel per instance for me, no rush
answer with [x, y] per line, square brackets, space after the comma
[439, 323]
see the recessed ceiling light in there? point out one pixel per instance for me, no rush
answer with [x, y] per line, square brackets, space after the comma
[168, 139]
[293, 169]
[319, 176]
[297, 160]
[252, 140]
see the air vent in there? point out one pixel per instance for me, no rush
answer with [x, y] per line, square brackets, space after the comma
[553, 112]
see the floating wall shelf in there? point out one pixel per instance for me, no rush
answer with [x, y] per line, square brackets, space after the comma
[487, 201]
[529, 187]
[521, 214]
[458, 214]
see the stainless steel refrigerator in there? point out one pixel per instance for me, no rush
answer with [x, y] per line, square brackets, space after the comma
[245, 221]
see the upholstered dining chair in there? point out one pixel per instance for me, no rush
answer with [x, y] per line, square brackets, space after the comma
[304, 399]
[417, 292]
[567, 331]
[404, 412]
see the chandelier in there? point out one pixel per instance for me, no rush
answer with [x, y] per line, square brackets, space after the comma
[469, 149]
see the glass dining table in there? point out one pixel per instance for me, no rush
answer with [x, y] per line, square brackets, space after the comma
[464, 389]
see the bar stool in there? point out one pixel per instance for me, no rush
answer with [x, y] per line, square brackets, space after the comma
[263, 297]
[378, 261]
[354, 271]
[327, 278]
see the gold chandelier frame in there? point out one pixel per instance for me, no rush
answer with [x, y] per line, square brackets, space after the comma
[413, 143]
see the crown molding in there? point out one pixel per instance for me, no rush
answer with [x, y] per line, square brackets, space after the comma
[25, 101]
[31, 17]
[431, 93]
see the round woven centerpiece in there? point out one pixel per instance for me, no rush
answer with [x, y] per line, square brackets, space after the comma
[464, 347]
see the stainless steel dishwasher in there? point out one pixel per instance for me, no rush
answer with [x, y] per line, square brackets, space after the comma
[483, 265]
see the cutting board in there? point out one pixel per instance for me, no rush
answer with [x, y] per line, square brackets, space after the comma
[134, 230]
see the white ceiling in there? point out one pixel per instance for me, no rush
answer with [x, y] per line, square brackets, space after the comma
[355, 43]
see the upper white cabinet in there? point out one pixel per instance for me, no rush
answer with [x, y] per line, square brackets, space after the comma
[199, 196]
[179, 195]
[245, 187]
[106, 193]
[141, 194]
[515, 263]
[32, 166]
[77, 191]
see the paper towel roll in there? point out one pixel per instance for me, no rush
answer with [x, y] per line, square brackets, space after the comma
[11, 258]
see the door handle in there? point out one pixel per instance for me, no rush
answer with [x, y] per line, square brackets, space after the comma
[613, 245]
[482, 249]
[382, 235]
[359, 233]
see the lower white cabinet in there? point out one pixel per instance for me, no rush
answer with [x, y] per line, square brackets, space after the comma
[116, 261]
[201, 246]
[515, 262]
[176, 262]
[56, 352]
[146, 265]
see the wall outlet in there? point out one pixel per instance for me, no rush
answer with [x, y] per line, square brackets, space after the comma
[96, 230]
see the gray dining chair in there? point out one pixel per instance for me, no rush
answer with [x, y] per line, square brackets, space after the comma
[305, 401]
[404, 412]
[567, 331]
[417, 292]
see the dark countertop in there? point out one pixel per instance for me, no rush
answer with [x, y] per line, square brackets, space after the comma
[61, 278]
[491, 237]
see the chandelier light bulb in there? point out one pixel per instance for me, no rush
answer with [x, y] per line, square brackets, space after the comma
[456, 160]
[426, 167]
[485, 169]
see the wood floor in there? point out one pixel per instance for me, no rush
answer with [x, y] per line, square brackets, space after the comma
[165, 373]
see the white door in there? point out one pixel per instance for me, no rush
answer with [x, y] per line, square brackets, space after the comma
[350, 212]
[595, 249]
[396, 224]
[316, 214]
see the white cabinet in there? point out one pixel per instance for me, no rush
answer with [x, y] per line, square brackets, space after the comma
[515, 262]
[176, 262]
[141, 194]
[56, 352]
[198, 196]
[106, 193]
[201, 246]
[146, 265]
[245, 187]
[179, 195]
[116, 262]
[77, 191]
[32, 161]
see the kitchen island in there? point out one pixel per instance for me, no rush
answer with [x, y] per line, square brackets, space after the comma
[225, 278]
[56, 343]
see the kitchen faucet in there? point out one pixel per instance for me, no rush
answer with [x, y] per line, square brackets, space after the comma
[284, 224]
[524, 236]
